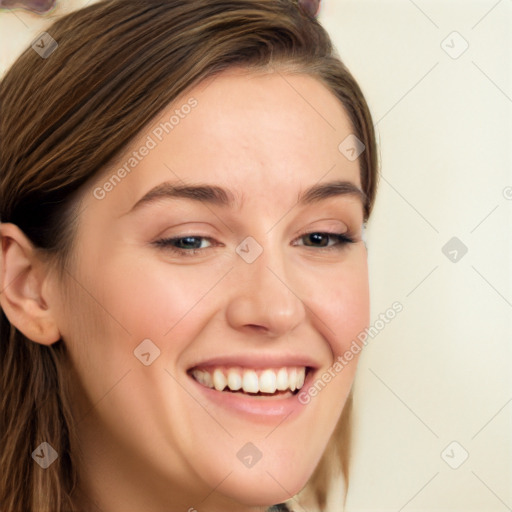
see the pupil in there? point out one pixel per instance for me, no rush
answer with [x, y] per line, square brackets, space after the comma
[187, 240]
[317, 237]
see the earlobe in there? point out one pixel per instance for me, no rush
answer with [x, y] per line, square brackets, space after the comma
[22, 279]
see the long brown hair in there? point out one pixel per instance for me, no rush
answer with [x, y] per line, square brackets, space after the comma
[118, 63]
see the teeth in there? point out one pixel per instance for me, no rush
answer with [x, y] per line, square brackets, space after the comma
[282, 379]
[219, 380]
[268, 381]
[292, 379]
[234, 380]
[207, 379]
[252, 381]
[300, 379]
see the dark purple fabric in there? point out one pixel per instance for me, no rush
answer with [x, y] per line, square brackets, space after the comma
[39, 6]
[310, 7]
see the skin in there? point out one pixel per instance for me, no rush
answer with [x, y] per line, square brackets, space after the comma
[149, 440]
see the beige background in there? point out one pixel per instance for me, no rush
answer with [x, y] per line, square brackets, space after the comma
[441, 371]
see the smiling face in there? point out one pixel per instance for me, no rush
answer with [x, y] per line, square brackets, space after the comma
[232, 284]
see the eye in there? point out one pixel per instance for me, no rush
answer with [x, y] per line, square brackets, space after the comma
[192, 245]
[186, 245]
[321, 239]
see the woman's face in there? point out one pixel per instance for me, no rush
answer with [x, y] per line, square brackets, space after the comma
[232, 282]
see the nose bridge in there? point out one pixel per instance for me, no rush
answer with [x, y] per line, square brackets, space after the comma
[261, 294]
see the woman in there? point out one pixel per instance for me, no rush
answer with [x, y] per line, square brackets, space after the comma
[184, 191]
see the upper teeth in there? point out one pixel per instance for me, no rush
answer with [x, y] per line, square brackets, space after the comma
[252, 381]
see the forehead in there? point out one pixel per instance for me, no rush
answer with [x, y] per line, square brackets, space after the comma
[258, 134]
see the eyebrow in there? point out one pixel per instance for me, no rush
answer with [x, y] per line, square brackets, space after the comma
[218, 196]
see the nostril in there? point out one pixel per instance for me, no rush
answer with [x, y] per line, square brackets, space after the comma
[252, 328]
[256, 327]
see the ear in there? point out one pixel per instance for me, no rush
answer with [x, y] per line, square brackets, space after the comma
[23, 287]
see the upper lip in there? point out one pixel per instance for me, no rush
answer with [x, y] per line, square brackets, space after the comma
[259, 361]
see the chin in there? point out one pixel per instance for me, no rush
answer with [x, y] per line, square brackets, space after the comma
[266, 485]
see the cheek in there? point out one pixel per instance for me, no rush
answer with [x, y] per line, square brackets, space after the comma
[149, 300]
[116, 306]
[343, 303]
[339, 300]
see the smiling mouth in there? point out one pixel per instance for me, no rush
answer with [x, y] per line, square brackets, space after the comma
[280, 382]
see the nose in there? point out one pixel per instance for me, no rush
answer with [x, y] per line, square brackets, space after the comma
[262, 297]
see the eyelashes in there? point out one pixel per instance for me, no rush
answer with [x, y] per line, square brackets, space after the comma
[172, 244]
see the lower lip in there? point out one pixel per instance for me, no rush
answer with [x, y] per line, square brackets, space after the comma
[272, 407]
